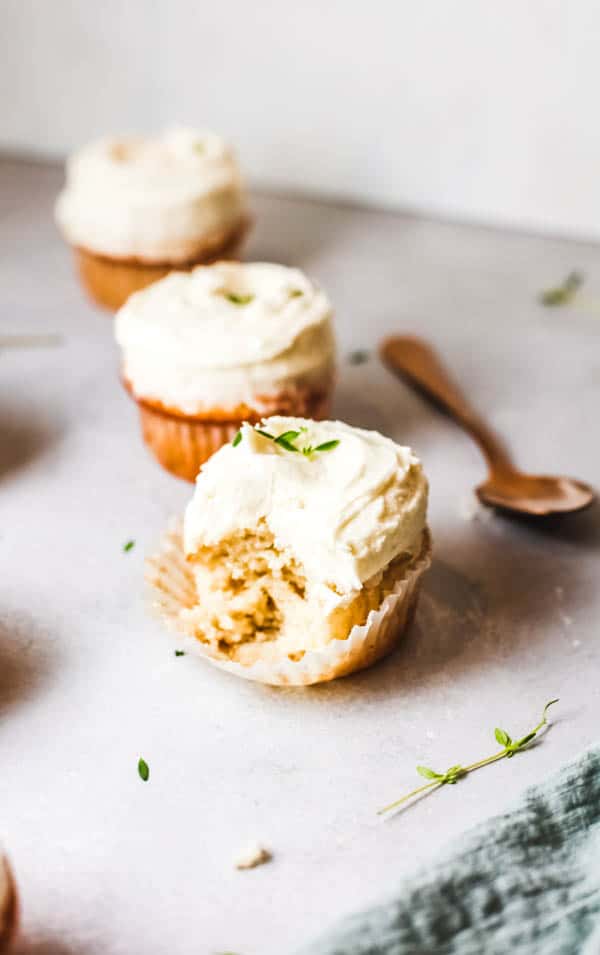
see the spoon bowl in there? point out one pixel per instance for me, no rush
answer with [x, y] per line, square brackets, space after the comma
[506, 487]
[537, 494]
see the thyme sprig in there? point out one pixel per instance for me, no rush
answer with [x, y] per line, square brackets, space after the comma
[452, 775]
[286, 440]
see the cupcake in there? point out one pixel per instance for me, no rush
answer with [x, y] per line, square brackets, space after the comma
[207, 349]
[301, 552]
[135, 209]
[8, 905]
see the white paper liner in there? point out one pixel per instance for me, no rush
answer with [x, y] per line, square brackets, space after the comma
[173, 590]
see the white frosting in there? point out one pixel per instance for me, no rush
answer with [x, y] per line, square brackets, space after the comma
[343, 513]
[153, 199]
[189, 346]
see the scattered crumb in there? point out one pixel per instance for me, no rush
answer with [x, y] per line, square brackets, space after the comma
[430, 734]
[560, 592]
[252, 855]
[575, 644]
[470, 508]
[566, 619]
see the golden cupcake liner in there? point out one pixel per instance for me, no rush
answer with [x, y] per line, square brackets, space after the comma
[182, 444]
[174, 590]
[110, 281]
[8, 906]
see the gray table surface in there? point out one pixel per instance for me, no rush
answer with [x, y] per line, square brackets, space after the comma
[89, 682]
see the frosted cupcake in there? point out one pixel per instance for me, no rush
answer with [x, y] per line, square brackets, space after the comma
[302, 552]
[206, 350]
[8, 905]
[134, 209]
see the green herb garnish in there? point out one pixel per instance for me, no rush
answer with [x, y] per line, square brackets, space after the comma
[128, 546]
[237, 439]
[286, 440]
[359, 357]
[238, 299]
[309, 450]
[565, 293]
[143, 770]
[180, 653]
[327, 445]
[509, 748]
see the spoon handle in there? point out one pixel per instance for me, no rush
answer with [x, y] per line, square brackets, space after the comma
[417, 363]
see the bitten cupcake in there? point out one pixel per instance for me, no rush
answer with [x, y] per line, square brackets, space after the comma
[302, 552]
[204, 351]
[135, 209]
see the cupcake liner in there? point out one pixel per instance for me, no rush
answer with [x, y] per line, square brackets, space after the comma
[183, 443]
[110, 281]
[8, 906]
[173, 590]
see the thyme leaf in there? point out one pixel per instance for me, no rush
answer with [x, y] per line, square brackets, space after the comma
[236, 299]
[562, 294]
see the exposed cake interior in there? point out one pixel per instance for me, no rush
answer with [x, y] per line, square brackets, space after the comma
[255, 600]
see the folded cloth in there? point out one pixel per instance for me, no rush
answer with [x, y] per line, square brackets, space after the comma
[525, 883]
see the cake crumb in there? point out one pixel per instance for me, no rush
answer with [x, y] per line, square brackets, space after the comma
[470, 508]
[252, 855]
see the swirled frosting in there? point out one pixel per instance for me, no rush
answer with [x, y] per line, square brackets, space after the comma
[344, 513]
[157, 200]
[225, 335]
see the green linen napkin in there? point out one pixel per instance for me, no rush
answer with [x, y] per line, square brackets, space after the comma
[523, 883]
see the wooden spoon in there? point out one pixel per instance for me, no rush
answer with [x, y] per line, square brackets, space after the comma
[506, 487]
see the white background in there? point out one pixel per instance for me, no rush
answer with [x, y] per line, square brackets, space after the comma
[471, 109]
